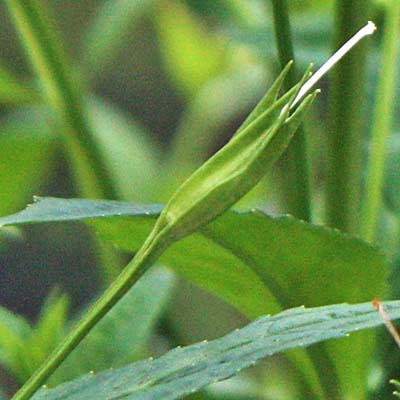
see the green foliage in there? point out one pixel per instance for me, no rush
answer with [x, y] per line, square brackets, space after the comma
[154, 88]
[125, 335]
[310, 250]
[311, 269]
[48, 331]
[22, 347]
[185, 370]
[121, 338]
[221, 181]
[397, 384]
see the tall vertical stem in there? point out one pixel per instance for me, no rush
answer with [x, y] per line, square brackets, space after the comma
[383, 114]
[346, 120]
[296, 184]
[63, 94]
[44, 50]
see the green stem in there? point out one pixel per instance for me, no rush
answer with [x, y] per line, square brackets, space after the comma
[43, 48]
[346, 120]
[297, 185]
[382, 120]
[297, 181]
[60, 91]
[147, 255]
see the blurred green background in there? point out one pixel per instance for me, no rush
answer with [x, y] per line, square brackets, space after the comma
[166, 84]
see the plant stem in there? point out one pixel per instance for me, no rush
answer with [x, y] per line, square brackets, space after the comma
[44, 50]
[296, 184]
[345, 120]
[383, 114]
[43, 47]
[147, 255]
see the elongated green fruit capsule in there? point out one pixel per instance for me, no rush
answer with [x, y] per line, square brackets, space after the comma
[237, 167]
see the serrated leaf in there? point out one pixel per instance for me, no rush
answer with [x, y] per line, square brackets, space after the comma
[297, 245]
[267, 265]
[186, 370]
[128, 224]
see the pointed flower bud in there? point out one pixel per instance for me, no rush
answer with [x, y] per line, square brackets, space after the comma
[238, 166]
[243, 161]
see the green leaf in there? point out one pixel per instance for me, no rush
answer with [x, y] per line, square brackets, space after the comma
[315, 252]
[267, 265]
[186, 370]
[51, 209]
[113, 220]
[26, 152]
[14, 331]
[48, 332]
[306, 245]
[23, 348]
[122, 336]
[397, 384]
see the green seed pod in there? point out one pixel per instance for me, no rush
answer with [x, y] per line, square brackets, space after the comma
[237, 167]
